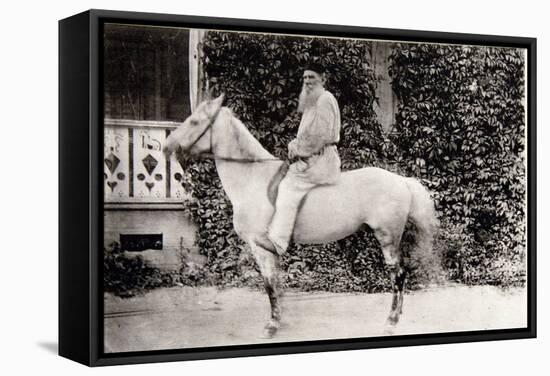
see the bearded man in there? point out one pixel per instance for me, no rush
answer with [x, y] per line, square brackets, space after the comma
[314, 152]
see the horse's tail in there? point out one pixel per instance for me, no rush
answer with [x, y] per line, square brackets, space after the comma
[423, 216]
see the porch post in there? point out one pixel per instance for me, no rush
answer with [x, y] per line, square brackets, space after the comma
[196, 75]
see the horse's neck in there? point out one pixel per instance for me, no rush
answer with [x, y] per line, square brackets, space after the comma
[234, 149]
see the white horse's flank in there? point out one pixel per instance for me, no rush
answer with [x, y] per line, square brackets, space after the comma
[383, 200]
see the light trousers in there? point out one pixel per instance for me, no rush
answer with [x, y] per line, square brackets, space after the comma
[292, 190]
[304, 175]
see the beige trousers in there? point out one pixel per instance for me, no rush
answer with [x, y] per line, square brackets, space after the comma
[319, 169]
[292, 190]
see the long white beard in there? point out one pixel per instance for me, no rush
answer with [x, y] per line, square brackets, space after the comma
[309, 99]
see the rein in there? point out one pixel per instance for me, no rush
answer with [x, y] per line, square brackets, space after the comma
[213, 156]
[242, 160]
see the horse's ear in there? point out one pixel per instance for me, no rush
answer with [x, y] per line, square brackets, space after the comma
[209, 94]
[213, 106]
[219, 100]
[216, 104]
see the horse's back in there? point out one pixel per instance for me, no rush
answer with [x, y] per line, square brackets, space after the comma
[360, 182]
[365, 195]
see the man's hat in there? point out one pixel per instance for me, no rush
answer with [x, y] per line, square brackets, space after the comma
[316, 66]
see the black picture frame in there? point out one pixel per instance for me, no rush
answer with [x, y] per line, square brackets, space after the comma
[80, 187]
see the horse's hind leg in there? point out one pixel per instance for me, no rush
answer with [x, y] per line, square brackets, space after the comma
[268, 263]
[389, 243]
[398, 278]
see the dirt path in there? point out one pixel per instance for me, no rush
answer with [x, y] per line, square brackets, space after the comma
[183, 317]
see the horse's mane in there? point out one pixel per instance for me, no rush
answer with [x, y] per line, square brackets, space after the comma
[247, 145]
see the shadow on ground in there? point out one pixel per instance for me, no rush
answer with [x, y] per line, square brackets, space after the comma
[51, 347]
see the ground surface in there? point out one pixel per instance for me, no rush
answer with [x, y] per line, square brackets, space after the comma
[184, 317]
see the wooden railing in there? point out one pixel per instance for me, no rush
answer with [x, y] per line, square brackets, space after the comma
[136, 171]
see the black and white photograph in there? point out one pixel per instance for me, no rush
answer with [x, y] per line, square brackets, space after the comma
[265, 188]
[275, 188]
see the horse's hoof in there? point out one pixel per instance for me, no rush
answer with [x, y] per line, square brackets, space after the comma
[389, 329]
[270, 329]
[392, 321]
[269, 332]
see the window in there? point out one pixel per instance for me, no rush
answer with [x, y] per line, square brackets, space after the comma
[146, 73]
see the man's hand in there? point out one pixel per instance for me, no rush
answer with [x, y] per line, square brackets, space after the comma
[292, 149]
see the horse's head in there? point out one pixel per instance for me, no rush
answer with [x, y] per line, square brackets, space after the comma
[192, 136]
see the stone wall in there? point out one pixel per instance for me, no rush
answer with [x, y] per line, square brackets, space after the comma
[178, 232]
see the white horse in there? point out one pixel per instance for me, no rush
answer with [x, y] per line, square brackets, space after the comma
[383, 200]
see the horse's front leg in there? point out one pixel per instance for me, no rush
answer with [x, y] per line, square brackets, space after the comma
[268, 263]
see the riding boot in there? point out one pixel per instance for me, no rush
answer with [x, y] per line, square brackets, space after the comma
[280, 245]
[264, 242]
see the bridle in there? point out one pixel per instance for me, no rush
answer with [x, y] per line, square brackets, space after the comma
[208, 126]
[210, 153]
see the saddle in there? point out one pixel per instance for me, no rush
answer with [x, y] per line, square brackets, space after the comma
[273, 186]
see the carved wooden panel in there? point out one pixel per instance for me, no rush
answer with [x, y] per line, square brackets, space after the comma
[177, 181]
[116, 174]
[149, 163]
[136, 170]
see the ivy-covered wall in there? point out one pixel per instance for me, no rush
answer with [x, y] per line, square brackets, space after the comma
[459, 127]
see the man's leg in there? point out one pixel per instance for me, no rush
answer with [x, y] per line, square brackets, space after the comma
[292, 190]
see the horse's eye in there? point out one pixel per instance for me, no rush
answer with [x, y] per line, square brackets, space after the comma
[194, 122]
